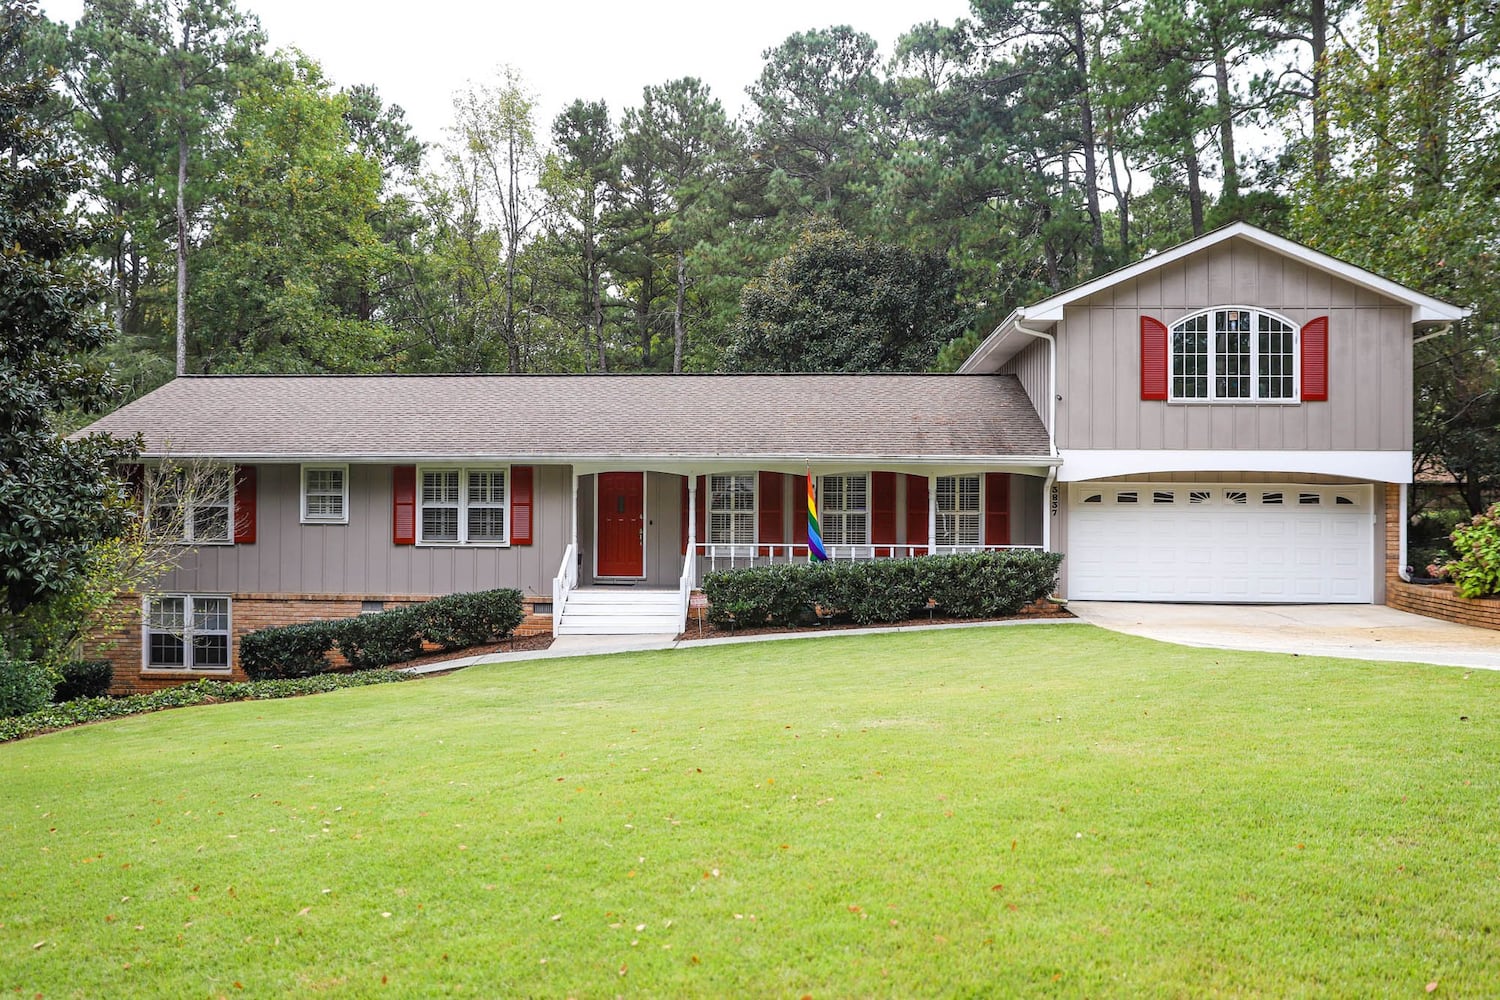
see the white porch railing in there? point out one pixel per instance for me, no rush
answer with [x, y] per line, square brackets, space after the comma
[685, 585]
[717, 557]
[563, 584]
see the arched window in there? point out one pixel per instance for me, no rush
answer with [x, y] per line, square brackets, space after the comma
[1234, 353]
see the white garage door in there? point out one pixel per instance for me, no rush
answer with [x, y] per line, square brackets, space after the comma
[1251, 543]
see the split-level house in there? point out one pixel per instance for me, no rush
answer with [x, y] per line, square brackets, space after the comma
[1229, 420]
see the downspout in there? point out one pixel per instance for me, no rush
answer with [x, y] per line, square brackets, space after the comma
[1401, 567]
[1051, 482]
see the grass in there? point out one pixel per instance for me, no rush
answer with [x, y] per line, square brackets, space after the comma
[1022, 811]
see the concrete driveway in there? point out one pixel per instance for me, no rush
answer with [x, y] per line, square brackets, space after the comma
[1359, 631]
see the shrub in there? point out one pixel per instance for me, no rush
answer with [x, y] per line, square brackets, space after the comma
[380, 639]
[84, 679]
[299, 650]
[462, 620]
[201, 692]
[25, 685]
[1476, 571]
[977, 585]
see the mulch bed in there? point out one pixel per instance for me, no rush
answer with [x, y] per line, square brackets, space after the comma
[1041, 609]
[518, 644]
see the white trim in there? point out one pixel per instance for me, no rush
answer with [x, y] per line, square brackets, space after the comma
[675, 464]
[1099, 463]
[187, 635]
[1425, 308]
[343, 470]
[645, 521]
[463, 470]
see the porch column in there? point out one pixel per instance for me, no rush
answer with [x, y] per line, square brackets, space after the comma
[932, 515]
[692, 518]
[573, 515]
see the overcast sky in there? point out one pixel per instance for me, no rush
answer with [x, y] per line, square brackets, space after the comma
[417, 53]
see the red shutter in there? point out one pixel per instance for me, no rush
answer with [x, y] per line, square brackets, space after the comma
[244, 505]
[770, 528]
[702, 506]
[882, 510]
[521, 479]
[1315, 360]
[683, 506]
[403, 504]
[799, 512]
[1153, 358]
[916, 514]
[996, 508]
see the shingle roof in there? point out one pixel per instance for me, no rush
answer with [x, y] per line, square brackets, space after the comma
[584, 416]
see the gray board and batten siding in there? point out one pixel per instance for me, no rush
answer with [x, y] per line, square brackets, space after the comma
[1098, 361]
[359, 557]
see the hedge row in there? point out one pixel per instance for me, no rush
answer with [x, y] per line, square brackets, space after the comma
[377, 640]
[976, 585]
[201, 692]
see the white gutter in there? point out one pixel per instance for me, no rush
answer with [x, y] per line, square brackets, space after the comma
[631, 461]
[1048, 486]
[1401, 569]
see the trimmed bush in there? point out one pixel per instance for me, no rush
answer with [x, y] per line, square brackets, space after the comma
[974, 585]
[462, 620]
[380, 639]
[299, 650]
[201, 692]
[25, 686]
[84, 679]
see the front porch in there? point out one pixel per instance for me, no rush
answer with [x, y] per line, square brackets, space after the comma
[658, 531]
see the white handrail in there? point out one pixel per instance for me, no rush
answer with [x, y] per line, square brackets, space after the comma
[716, 557]
[563, 584]
[685, 585]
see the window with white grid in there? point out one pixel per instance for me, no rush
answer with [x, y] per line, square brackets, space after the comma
[731, 508]
[958, 512]
[325, 494]
[462, 506]
[844, 509]
[186, 632]
[1234, 354]
[195, 506]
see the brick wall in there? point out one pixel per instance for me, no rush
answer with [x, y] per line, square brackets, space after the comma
[120, 643]
[1435, 601]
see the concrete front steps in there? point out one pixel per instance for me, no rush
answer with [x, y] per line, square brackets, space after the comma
[620, 611]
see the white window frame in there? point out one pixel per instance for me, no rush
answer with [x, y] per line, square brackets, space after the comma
[162, 496]
[950, 517]
[187, 634]
[711, 508]
[1257, 360]
[464, 472]
[829, 514]
[343, 471]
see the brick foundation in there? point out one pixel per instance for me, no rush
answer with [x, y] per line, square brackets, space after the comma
[1433, 601]
[121, 645]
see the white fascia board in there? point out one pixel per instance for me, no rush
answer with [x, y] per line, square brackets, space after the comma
[1425, 308]
[1080, 465]
[999, 347]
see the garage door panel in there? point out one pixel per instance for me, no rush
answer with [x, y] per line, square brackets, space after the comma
[1227, 544]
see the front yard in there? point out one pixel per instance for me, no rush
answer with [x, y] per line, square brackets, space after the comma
[1054, 810]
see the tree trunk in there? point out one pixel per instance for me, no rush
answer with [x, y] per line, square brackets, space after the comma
[1195, 187]
[678, 332]
[1318, 32]
[1090, 157]
[1225, 99]
[512, 234]
[182, 222]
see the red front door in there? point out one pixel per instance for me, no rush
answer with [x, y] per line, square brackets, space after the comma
[622, 525]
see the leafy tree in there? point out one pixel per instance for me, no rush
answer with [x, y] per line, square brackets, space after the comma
[59, 498]
[838, 303]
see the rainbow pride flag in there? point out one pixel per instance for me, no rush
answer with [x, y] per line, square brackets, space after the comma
[815, 550]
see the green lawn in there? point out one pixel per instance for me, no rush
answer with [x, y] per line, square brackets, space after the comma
[1049, 810]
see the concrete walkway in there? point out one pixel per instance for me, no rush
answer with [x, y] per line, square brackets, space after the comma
[1358, 631]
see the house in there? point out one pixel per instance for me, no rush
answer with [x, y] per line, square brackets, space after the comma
[1230, 420]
